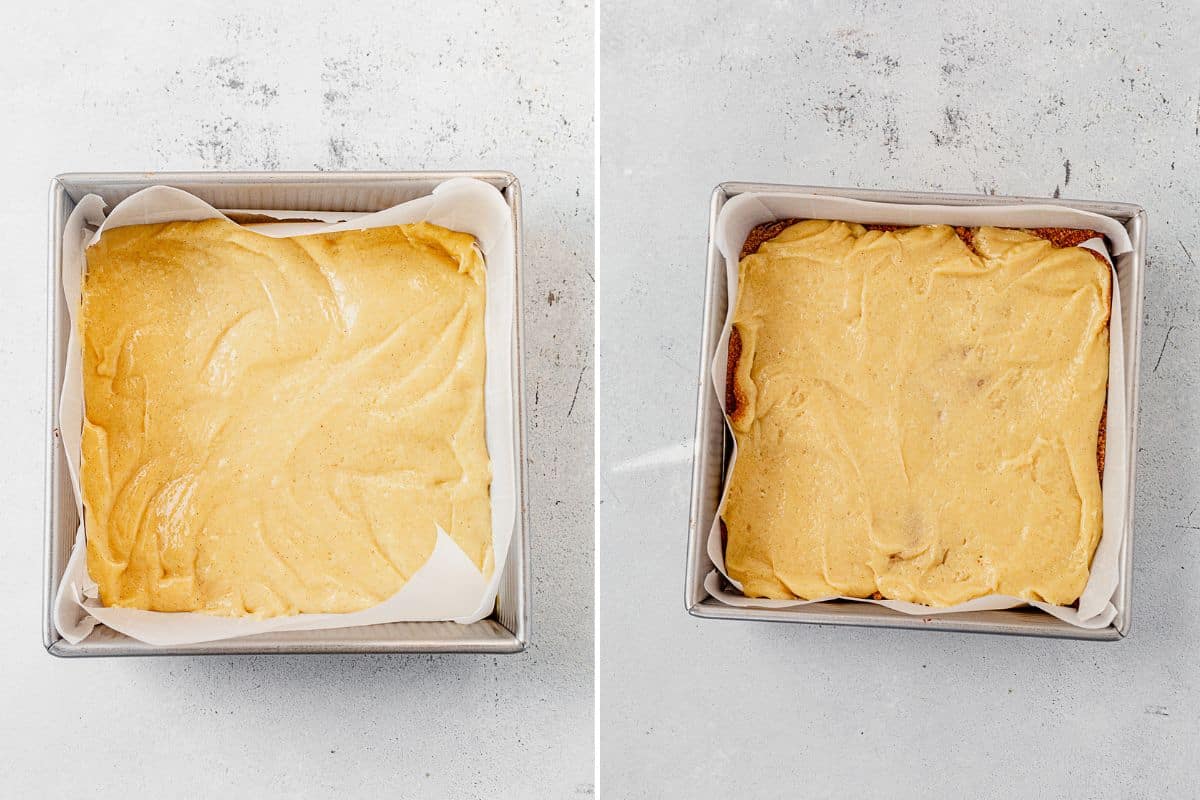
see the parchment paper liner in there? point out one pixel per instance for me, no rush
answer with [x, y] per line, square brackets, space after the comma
[448, 586]
[745, 211]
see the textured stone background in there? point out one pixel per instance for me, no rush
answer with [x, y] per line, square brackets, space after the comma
[132, 86]
[1079, 101]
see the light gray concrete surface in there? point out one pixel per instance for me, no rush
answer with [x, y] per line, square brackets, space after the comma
[379, 85]
[1079, 100]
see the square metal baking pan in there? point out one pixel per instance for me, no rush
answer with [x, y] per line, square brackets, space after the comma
[505, 631]
[711, 437]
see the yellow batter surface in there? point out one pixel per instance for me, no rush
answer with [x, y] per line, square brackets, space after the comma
[916, 419]
[278, 426]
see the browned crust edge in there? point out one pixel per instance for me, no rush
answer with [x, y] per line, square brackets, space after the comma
[251, 218]
[735, 398]
[760, 234]
[1059, 237]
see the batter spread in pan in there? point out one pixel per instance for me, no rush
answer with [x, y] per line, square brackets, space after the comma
[917, 414]
[276, 426]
